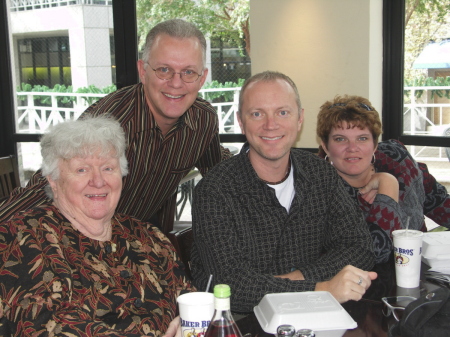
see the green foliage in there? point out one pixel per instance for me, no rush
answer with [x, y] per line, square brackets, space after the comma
[437, 8]
[227, 19]
[425, 21]
[221, 96]
[92, 89]
[61, 88]
[421, 81]
[26, 87]
[109, 89]
[45, 100]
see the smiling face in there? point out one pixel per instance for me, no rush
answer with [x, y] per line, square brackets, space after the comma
[169, 99]
[87, 192]
[351, 151]
[270, 119]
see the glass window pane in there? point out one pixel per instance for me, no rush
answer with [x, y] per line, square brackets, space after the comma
[437, 160]
[227, 58]
[30, 160]
[62, 59]
[427, 81]
[427, 68]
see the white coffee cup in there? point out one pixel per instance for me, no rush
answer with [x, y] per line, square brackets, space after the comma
[196, 311]
[407, 252]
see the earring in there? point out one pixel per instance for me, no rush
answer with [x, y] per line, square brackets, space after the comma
[373, 159]
[326, 159]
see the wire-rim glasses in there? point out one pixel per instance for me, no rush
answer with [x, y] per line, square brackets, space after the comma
[167, 73]
[395, 305]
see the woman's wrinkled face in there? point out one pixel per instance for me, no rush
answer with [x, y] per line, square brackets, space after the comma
[351, 150]
[88, 189]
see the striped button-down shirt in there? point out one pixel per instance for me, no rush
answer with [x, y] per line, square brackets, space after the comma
[157, 163]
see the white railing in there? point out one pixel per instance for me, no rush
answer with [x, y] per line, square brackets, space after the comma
[423, 118]
[227, 111]
[32, 118]
[23, 5]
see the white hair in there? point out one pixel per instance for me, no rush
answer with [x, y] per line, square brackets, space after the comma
[100, 135]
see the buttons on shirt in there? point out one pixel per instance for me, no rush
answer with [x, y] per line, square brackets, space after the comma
[138, 303]
[125, 274]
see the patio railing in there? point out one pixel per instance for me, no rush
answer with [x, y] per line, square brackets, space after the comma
[421, 117]
[35, 118]
[23, 5]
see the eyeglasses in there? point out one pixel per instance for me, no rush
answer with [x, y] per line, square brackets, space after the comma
[395, 305]
[362, 105]
[166, 73]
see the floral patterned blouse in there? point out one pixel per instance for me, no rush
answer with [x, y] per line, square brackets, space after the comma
[55, 281]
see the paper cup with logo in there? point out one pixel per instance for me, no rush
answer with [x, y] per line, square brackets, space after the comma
[407, 252]
[196, 311]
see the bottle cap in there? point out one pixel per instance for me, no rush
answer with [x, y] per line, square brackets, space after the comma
[222, 290]
[285, 330]
[305, 333]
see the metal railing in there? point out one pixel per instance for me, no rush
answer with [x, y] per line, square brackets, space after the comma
[24, 5]
[35, 118]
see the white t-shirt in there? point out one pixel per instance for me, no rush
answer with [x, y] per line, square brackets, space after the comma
[285, 191]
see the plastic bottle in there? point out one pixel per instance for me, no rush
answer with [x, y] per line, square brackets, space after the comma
[222, 323]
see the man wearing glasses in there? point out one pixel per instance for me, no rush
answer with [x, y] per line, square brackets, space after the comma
[169, 129]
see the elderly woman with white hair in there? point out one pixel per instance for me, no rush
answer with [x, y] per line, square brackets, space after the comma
[76, 267]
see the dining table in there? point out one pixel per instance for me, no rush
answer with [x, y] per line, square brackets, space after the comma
[367, 312]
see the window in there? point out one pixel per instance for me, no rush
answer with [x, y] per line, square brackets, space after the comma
[416, 128]
[395, 126]
[229, 63]
[61, 60]
[44, 61]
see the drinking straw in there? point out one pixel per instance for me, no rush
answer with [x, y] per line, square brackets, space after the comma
[209, 283]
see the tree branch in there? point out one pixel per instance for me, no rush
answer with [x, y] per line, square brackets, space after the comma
[411, 10]
[246, 31]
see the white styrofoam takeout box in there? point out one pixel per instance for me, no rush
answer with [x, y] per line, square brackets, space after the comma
[316, 310]
[436, 249]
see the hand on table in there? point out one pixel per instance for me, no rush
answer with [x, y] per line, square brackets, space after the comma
[174, 329]
[350, 283]
[380, 183]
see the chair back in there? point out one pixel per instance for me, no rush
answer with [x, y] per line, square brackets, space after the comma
[9, 175]
[182, 240]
